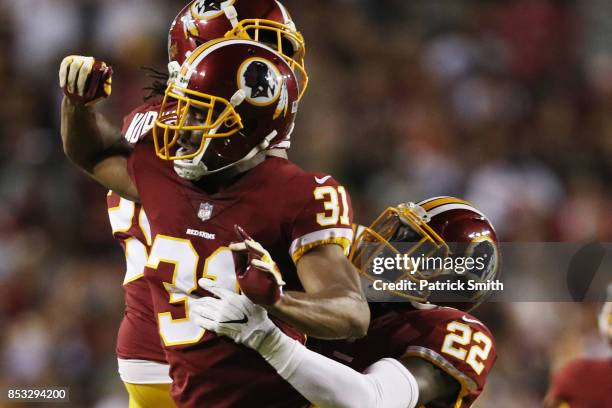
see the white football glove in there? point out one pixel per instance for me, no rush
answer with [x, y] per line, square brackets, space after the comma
[85, 80]
[257, 273]
[231, 314]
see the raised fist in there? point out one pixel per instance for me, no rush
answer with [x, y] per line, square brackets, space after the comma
[258, 276]
[85, 80]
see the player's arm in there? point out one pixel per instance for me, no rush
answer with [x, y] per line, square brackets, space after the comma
[388, 383]
[89, 140]
[317, 221]
[332, 305]
[434, 384]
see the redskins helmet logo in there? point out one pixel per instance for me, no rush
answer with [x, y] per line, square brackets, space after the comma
[208, 9]
[261, 81]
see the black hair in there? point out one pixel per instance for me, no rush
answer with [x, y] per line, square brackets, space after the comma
[157, 88]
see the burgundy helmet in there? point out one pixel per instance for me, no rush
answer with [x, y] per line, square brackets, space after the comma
[266, 21]
[232, 99]
[445, 239]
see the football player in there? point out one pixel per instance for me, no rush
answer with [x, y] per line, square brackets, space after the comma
[586, 383]
[415, 353]
[208, 163]
[141, 359]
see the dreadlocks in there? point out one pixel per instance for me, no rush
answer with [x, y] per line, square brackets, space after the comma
[159, 84]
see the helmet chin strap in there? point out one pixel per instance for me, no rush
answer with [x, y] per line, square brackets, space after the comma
[286, 143]
[193, 170]
[174, 69]
[230, 13]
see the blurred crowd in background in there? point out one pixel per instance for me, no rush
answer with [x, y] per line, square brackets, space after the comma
[505, 103]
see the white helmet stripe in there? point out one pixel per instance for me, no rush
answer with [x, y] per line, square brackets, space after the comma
[448, 207]
[200, 56]
[196, 58]
[286, 16]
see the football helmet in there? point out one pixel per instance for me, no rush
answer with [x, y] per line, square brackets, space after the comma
[266, 21]
[436, 237]
[231, 99]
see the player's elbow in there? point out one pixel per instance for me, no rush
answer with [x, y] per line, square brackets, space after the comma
[359, 318]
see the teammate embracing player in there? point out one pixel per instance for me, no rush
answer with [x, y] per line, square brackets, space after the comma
[415, 353]
[215, 158]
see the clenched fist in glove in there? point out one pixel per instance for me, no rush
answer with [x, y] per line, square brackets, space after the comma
[230, 314]
[258, 276]
[85, 80]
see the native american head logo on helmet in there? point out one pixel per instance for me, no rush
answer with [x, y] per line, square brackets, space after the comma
[261, 81]
[201, 7]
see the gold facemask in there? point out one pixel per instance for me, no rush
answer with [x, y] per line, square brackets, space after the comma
[282, 37]
[178, 105]
[405, 224]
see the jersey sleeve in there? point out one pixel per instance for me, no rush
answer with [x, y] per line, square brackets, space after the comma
[320, 213]
[459, 345]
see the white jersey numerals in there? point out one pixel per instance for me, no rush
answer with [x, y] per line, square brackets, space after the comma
[121, 219]
[466, 345]
[141, 124]
[335, 204]
[181, 254]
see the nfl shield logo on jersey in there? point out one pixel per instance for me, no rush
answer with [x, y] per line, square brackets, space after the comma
[205, 211]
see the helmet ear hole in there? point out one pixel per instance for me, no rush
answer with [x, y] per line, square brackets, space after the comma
[250, 125]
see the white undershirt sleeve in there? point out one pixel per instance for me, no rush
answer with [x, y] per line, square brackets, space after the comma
[327, 383]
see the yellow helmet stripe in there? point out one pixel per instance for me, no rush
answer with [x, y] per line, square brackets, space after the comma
[432, 203]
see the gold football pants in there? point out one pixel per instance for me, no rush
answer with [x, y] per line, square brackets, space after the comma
[150, 395]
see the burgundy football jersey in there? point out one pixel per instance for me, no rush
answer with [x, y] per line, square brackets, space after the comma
[284, 208]
[584, 383]
[138, 336]
[450, 339]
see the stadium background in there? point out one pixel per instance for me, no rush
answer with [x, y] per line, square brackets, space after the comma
[506, 103]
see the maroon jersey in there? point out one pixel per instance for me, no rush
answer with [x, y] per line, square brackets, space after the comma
[584, 383]
[287, 210]
[138, 336]
[450, 339]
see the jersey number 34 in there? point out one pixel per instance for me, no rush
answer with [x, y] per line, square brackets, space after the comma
[179, 252]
